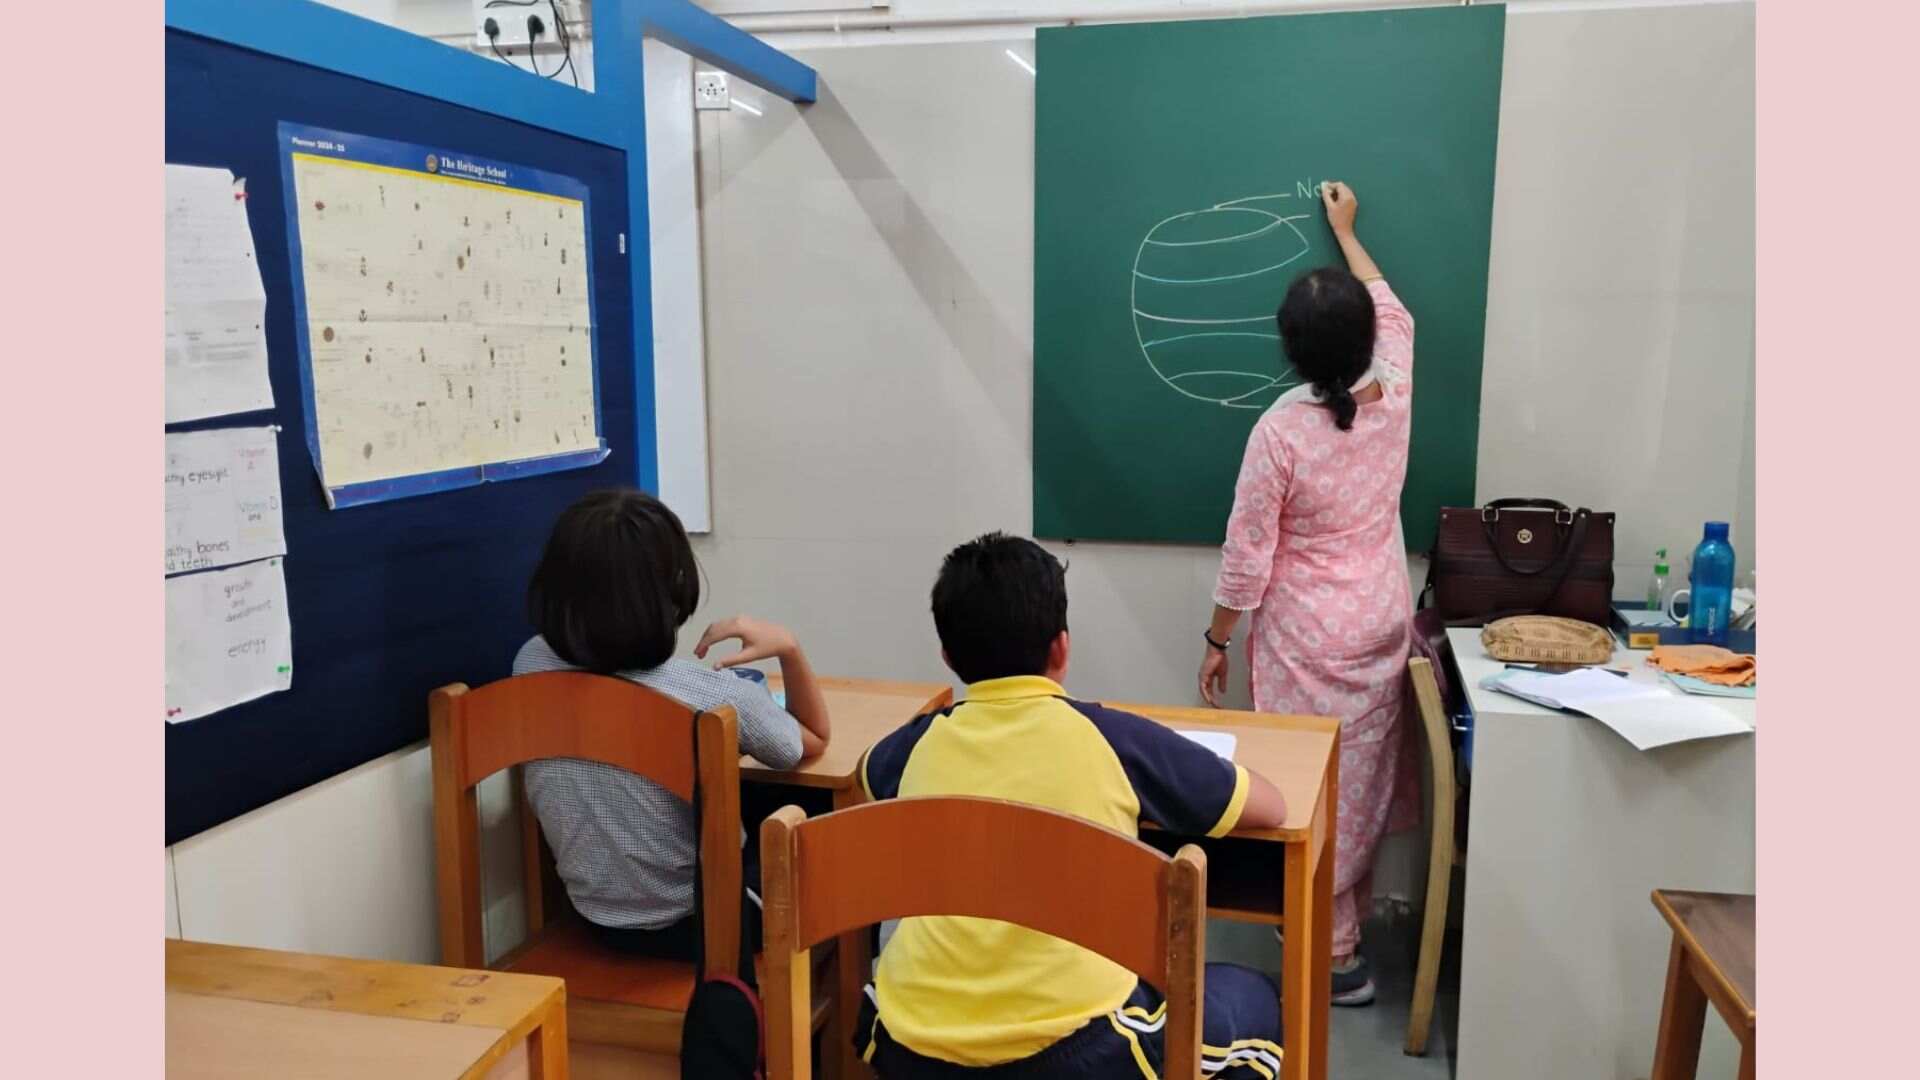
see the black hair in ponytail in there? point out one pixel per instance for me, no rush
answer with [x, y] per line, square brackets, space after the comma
[1326, 326]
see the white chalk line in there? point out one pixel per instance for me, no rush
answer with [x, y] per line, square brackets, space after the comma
[1223, 277]
[1268, 227]
[1195, 322]
[1231, 203]
[1209, 333]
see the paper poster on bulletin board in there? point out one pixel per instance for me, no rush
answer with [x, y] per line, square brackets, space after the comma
[444, 313]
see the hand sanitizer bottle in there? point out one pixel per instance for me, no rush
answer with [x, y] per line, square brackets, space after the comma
[1657, 586]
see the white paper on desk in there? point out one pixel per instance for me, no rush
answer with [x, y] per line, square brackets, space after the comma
[228, 638]
[216, 344]
[1222, 743]
[1646, 715]
[223, 498]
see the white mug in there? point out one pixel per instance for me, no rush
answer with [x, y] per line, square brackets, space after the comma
[1677, 596]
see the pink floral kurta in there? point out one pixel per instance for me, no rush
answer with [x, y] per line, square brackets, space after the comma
[1314, 551]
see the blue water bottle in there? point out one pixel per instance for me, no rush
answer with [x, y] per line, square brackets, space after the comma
[1710, 599]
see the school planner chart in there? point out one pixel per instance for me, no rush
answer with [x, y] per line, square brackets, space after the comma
[446, 309]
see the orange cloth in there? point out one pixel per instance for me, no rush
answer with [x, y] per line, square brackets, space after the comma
[1708, 663]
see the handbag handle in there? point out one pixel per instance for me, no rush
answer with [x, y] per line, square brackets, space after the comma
[1563, 555]
[1528, 504]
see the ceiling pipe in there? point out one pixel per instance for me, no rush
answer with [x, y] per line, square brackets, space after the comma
[1093, 12]
[1086, 13]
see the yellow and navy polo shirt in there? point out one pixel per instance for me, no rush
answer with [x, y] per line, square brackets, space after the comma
[980, 991]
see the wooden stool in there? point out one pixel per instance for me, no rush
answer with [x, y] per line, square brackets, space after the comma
[1712, 960]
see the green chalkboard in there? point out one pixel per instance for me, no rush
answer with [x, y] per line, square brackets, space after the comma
[1175, 179]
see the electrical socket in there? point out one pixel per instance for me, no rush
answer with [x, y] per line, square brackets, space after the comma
[512, 21]
[710, 90]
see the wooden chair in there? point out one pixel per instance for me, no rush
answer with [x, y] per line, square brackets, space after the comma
[1442, 854]
[987, 859]
[612, 998]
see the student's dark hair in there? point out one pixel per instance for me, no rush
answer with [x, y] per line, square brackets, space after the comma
[998, 604]
[1326, 326]
[615, 582]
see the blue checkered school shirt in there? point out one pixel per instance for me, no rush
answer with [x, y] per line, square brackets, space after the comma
[625, 846]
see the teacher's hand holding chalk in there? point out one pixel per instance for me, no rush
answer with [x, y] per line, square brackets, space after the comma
[1342, 206]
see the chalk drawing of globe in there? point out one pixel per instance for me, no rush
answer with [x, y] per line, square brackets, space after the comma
[1205, 286]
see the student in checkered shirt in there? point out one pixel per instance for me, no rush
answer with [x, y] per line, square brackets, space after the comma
[615, 584]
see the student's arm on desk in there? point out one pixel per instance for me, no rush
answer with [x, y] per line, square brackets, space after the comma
[1265, 807]
[758, 641]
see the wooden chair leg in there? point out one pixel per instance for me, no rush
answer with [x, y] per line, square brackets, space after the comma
[1433, 930]
[1433, 924]
[1683, 1017]
[1746, 1058]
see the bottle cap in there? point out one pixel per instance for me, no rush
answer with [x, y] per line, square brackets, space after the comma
[1660, 561]
[1716, 530]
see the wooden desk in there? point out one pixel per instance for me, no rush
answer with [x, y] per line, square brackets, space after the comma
[241, 1013]
[863, 711]
[1299, 754]
[1712, 959]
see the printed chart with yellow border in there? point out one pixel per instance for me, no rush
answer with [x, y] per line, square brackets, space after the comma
[444, 313]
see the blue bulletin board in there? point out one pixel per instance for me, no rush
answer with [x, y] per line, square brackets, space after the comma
[441, 174]
[398, 596]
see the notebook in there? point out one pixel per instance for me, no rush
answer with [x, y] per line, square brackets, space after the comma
[1645, 714]
[1704, 688]
[1222, 743]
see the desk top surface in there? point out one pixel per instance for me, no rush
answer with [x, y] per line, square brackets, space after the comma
[1292, 751]
[1475, 665]
[219, 1038]
[863, 710]
[333, 1008]
[1719, 927]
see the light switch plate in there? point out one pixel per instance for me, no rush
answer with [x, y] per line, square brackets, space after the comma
[710, 90]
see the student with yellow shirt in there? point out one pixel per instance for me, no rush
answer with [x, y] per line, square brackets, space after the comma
[964, 997]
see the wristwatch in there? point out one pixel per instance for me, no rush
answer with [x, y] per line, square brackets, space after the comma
[1221, 645]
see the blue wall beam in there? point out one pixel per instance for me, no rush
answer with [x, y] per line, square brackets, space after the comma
[614, 115]
[334, 40]
[710, 39]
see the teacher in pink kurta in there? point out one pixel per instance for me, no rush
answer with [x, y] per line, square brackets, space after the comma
[1314, 551]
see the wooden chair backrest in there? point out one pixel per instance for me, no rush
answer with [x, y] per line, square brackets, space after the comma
[1433, 715]
[988, 859]
[565, 714]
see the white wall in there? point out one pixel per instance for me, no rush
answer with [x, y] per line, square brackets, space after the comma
[679, 333]
[1619, 356]
[344, 867]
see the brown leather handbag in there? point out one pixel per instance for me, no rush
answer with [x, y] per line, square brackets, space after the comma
[1521, 557]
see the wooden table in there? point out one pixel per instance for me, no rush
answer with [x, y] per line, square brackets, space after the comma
[243, 1013]
[1301, 755]
[1245, 880]
[1712, 959]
